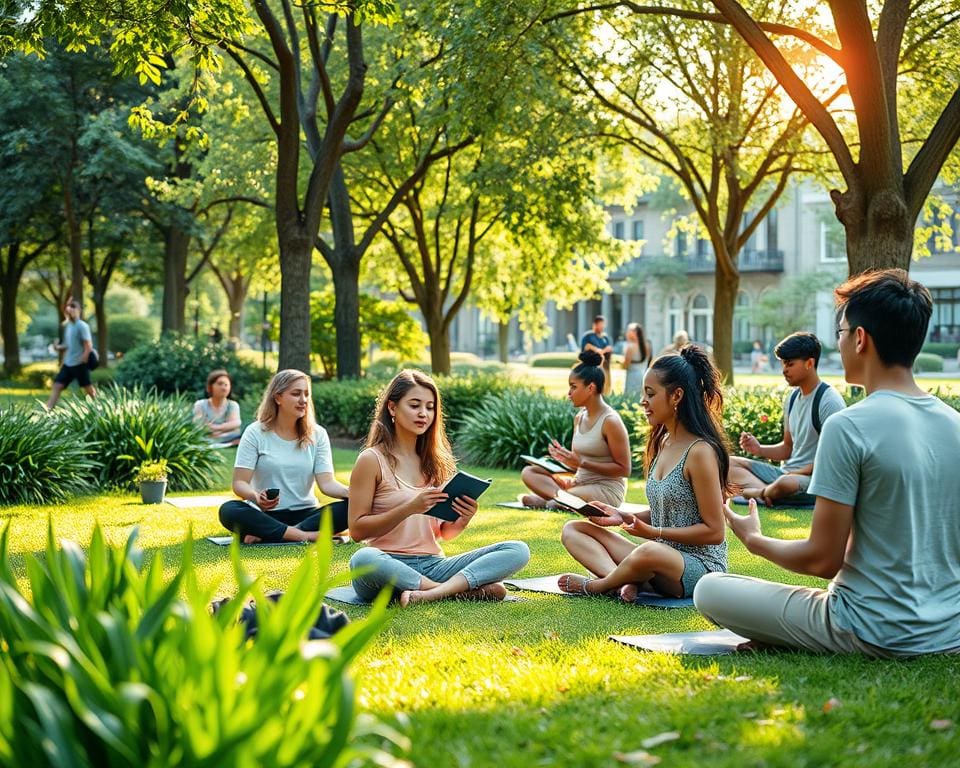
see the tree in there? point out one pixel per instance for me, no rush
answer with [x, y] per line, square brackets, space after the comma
[694, 101]
[901, 72]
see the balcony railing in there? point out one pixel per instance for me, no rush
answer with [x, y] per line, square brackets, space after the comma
[750, 261]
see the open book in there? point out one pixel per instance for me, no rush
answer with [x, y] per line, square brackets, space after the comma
[461, 484]
[576, 504]
[545, 462]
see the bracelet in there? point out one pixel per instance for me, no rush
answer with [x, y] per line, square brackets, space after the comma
[659, 533]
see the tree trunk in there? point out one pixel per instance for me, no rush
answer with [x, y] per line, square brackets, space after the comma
[176, 246]
[100, 313]
[295, 256]
[73, 241]
[236, 300]
[503, 341]
[438, 328]
[726, 285]
[879, 233]
[344, 263]
[8, 327]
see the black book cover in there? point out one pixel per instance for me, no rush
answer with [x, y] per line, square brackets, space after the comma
[461, 484]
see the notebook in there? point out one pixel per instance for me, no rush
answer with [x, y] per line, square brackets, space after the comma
[461, 484]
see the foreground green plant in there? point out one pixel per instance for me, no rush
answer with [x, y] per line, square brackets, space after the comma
[128, 427]
[41, 460]
[109, 663]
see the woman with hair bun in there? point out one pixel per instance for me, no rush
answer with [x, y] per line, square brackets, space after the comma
[686, 464]
[599, 454]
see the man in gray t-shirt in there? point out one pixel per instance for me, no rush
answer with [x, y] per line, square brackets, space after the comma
[886, 525]
[799, 356]
[77, 343]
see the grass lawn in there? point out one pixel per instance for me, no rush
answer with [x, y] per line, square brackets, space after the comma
[537, 683]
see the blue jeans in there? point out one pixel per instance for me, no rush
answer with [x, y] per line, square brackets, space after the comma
[478, 566]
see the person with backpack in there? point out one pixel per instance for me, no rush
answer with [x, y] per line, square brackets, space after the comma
[805, 409]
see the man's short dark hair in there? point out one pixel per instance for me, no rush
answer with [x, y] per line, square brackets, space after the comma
[599, 319]
[799, 346]
[892, 308]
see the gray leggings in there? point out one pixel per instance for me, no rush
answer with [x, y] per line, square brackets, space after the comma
[478, 566]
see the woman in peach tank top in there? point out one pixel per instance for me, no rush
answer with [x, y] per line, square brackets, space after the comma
[394, 484]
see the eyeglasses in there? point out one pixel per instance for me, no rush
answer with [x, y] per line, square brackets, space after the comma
[841, 330]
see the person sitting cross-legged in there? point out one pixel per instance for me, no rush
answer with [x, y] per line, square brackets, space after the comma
[805, 409]
[886, 525]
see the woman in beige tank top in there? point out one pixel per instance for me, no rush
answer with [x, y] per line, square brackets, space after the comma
[395, 483]
[599, 453]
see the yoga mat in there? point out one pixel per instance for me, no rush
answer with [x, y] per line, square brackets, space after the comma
[549, 585]
[225, 541]
[713, 643]
[191, 502]
[782, 505]
[513, 505]
[349, 595]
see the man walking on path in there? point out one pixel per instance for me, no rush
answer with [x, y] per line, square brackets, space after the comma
[886, 525]
[78, 343]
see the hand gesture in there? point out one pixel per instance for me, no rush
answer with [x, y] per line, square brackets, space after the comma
[563, 481]
[744, 526]
[465, 507]
[749, 443]
[426, 499]
[636, 527]
[566, 457]
[266, 503]
[613, 515]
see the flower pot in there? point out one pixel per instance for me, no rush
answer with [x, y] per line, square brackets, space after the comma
[152, 491]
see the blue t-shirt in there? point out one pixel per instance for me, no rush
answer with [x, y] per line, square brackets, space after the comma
[74, 335]
[893, 458]
[596, 339]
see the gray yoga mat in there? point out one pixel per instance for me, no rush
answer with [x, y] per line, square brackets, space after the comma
[348, 595]
[225, 541]
[549, 585]
[714, 643]
[513, 505]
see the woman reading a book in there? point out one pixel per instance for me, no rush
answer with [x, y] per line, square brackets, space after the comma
[686, 464]
[280, 457]
[599, 455]
[395, 483]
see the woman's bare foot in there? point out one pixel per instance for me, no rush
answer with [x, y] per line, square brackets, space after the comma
[628, 592]
[248, 539]
[493, 592]
[574, 584]
[532, 500]
[410, 597]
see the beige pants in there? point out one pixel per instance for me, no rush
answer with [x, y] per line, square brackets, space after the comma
[777, 614]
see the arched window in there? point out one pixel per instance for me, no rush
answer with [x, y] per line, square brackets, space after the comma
[674, 317]
[741, 318]
[701, 319]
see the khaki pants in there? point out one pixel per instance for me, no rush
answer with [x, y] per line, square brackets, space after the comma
[777, 614]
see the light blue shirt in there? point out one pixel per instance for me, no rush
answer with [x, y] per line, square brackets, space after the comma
[279, 463]
[800, 424]
[74, 334]
[894, 459]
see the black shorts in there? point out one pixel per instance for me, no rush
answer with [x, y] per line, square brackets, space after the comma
[70, 372]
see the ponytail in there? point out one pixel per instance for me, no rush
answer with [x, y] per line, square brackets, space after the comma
[700, 410]
[590, 371]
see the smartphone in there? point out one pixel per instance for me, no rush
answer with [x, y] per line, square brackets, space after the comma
[272, 493]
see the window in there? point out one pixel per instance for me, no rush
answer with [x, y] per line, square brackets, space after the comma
[833, 241]
[701, 317]
[945, 320]
[637, 229]
[704, 249]
[618, 230]
[772, 226]
[681, 244]
[674, 314]
[741, 318]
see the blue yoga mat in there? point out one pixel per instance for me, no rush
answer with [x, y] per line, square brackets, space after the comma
[549, 585]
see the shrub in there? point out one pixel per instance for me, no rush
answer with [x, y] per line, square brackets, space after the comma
[757, 410]
[555, 360]
[152, 471]
[38, 375]
[463, 394]
[108, 663]
[180, 364]
[927, 363]
[41, 459]
[942, 348]
[125, 332]
[512, 423]
[346, 407]
[127, 427]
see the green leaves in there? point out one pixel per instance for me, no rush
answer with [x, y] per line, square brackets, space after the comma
[109, 664]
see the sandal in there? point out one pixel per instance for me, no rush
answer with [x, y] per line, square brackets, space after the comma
[564, 582]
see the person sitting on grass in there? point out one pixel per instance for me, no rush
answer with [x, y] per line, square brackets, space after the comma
[686, 464]
[599, 454]
[886, 525]
[805, 409]
[286, 450]
[219, 414]
[395, 482]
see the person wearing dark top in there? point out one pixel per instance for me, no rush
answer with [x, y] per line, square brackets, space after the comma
[598, 341]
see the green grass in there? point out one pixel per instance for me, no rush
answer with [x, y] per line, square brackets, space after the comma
[537, 683]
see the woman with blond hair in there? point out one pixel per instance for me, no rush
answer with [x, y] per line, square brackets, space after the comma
[395, 483]
[280, 456]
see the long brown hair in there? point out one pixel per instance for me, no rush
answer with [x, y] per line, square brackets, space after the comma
[436, 458]
[267, 412]
[700, 410]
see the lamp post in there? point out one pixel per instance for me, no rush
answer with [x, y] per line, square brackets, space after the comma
[196, 312]
[265, 327]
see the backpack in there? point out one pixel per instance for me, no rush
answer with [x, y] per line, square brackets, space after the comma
[93, 360]
[815, 411]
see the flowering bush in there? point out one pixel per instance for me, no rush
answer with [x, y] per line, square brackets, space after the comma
[757, 410]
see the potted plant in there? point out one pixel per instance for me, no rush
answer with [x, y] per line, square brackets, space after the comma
[152, 476]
